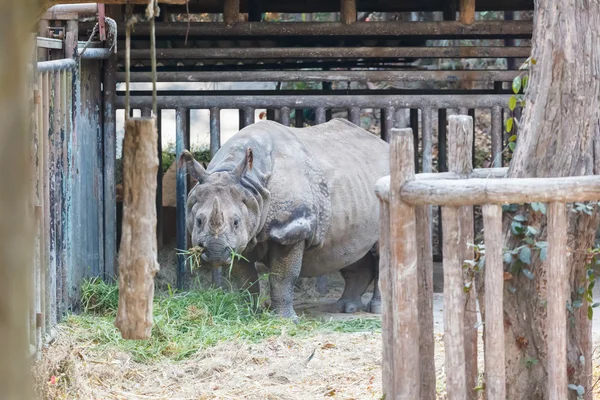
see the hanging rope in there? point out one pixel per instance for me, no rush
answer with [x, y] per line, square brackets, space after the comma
[128, 26]
[152, 11]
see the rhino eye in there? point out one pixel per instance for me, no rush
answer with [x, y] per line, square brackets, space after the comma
[236, 222]
[199, 221]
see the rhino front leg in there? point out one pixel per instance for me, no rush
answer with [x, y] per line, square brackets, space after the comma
[285, 263]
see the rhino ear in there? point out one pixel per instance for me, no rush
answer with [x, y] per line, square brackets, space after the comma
[244, 165]
[194, 168]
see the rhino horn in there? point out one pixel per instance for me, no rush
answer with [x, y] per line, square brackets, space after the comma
[246, 164]
[194, 168]
[216, 219]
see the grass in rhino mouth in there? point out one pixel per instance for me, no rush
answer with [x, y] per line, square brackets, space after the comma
[193, 257]
[186, 323]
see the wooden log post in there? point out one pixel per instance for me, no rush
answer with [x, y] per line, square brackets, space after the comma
[385, 286]
[404, 272]
[454, 305]
[558, 293]
[460, 161]
[425, 266]
[138, 253]
[467, 11]
[495, 375]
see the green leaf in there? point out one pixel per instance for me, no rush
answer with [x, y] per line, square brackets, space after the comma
[581, 290]
[543, 208]
[528, 273]
[513, 138]
[532, 231]
[544, 254]
[520, 218]
[509, 125]
[590, 313]
[516, 228]
[516, 84]
[541, 244]
[507, 258]
[577, 303]
[533, 61]
[525, 81]
[595, 305]
[534, 206]
[512, 102]
[525, 255]
[512, 146]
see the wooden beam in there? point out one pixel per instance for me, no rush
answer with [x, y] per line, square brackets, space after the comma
[467, 11]
[463, 192]
[49, 43]
[231, 12]
[348, 11]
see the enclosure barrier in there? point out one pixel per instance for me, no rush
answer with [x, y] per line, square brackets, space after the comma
[54, 123]
[281, 107]
[405, 198]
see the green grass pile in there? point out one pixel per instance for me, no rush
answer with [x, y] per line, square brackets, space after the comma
[185, 323]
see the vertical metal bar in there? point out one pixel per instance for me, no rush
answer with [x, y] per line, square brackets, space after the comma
[442, 142]
[497, 137]
[248, 116]
[442, 166]
[240, 119]
[215, 131]
[471, 113]
[271, 114]
[110, 156]
[355, 115]
[319, 116]
[47, 299]
[414, 124]
[299, 123]
[215, 145]
[64, 193]
[54, 128]
[181, 191]
[387, 122]
[146, 112]
[285, 116]
[159, 179]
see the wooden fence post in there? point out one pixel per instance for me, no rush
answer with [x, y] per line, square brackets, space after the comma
[558, 291]
[495, 374]
[460, 161]
[404, 272]
[425, 266]
[385, 286]
[137, 253]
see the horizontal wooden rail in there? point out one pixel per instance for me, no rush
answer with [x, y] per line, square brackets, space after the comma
[477, 191]
[382, 188]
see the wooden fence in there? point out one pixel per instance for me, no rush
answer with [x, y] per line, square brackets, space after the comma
[406, 268]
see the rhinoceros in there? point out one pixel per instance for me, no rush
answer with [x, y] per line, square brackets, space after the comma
[299, 200]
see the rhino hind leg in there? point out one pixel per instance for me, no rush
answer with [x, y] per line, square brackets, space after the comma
[357, 277]
[374, 305]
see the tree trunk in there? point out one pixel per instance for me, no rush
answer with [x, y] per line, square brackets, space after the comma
[557, 135]
[16, 214]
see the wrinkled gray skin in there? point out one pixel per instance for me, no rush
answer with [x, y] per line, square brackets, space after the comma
[303, 204]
